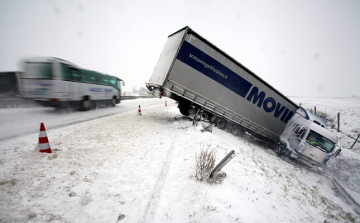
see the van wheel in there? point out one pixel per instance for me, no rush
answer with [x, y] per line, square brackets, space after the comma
[220, 123]
[113, 102]
[86, 105]
[278, 149]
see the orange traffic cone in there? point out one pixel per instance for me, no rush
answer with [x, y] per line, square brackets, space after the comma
[165, 104]
[139, 110]
[44, 146]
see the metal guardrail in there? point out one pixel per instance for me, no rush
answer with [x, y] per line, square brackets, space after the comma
[17, 102]
[338, 186]
[136, 97]
[343, 192]
[222, 163]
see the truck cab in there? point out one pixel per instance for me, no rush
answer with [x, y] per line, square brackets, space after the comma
[306, 138]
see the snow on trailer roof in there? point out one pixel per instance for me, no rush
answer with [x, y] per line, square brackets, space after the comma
[312, 117]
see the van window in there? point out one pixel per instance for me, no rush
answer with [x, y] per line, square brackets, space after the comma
[71, 73]
[113, 82]
[89, 76]
[75, 74]
[41, 70]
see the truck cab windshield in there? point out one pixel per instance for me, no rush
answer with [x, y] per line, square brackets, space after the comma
[320, 141]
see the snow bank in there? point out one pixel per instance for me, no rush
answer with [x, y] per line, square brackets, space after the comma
[132, 168]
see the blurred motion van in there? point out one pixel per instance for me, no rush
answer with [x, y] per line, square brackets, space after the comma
[208, 83]
[53, 82]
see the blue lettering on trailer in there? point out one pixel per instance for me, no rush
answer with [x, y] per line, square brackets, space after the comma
[213, 69]
[257, 97]
[261, 100]
[205, 64]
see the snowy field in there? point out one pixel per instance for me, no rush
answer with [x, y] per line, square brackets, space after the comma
[346, 167]
[131, 168]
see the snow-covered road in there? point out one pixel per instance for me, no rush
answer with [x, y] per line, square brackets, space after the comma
[19, 121]
[131, 168]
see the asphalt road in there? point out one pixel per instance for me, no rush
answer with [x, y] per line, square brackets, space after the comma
[16, 122]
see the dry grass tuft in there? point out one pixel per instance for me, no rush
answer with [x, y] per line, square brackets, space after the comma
[205, 163]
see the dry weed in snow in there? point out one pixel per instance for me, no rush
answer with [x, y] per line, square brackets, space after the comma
[205, 163]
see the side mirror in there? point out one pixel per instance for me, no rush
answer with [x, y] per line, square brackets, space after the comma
[337, 152]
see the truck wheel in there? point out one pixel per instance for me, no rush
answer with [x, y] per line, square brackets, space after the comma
[220, 123]
[278, 149]
[212, 119]
[184, 110]
[235, 129]
[204, 116]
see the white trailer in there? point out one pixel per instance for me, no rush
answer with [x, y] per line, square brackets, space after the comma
[208, 82]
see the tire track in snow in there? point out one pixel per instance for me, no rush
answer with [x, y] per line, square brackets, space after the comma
[155, 197]
[338, 186]
[344, 193]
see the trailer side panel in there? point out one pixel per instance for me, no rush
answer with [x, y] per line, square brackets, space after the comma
[204, 75]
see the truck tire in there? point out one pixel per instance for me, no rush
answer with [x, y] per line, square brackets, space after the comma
[184, 110]
[204, 116]
[278, 149]
[220, 123]
[212, 119]
[235, 129]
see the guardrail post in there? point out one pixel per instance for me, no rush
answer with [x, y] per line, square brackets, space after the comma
[222, 163]
[355, 142]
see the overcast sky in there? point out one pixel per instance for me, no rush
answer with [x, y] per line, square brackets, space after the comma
[301, 47]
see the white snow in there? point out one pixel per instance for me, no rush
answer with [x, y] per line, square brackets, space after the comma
[131, 168]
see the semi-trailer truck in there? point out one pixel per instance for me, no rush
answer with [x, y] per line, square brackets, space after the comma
[207, 82]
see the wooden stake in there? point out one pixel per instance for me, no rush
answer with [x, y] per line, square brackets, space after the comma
[338, 122]
[355, 142]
